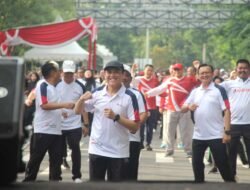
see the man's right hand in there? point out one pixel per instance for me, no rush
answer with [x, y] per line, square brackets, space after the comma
[69, 105]
[192, 107]
[87, 95]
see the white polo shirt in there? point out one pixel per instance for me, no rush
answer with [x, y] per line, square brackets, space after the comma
[239, 97]
[109, 138]
[70, 93]
[46, 121]
[208, 117]
[142, 108]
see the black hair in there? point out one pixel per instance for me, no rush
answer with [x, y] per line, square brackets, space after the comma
[217, 77]
[148, 65]
[36, 74]
[48, 67]
[244, 61]
[195, 70]
[206, 65]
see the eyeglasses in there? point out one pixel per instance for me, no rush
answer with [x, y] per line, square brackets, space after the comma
[205, 73]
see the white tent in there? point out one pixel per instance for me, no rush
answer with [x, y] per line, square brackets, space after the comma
[71, 51]
[105, 54]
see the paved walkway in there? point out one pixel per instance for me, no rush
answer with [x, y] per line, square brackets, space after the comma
[153, 166]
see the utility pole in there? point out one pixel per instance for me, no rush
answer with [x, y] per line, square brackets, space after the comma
[147, 44]
[204, 49]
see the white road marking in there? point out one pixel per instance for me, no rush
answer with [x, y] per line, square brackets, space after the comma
[160, 158]
[44, 172]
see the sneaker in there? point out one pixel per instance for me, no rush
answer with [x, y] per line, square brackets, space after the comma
[214, 170]
[245, 165]
[148, 147]
[21, 167]
[169, 153]
[180, 146]
[189, 155]
[236, 178]
[163, 145]
[142, 146]
[65, 164]
[77, 180]
[27, 180]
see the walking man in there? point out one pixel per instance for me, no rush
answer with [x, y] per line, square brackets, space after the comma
[70, 90]
[177, 88]
[134, 139]
[239, 97]
[210, 130]
[116, 113]
[144, 84]
[47, 125]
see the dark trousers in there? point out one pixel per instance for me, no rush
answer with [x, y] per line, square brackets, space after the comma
[150, 124]
[219, 152]
[242, 153]
[43, 143]
[238, 131]
[100, 165]
[73, 138]
[131, 167]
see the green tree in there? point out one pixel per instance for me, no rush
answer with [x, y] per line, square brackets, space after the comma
[118, 42]
[16, 13]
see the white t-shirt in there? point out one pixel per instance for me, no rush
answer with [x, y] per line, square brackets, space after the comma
[70, 93]
[109, 138]
[208, 117]
[239, 97]
[142, 108]
[46, 121]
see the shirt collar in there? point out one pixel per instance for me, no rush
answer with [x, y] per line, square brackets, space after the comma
[119, 93]
[210, 86]
[240, 80]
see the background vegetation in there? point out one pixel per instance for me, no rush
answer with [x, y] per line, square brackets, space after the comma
[224, 45]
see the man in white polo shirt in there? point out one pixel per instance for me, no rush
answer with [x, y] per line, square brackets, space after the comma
[209, 102]
[135, 139]
[47, 124]
[116, 113]
[70, 90]
[239, 97]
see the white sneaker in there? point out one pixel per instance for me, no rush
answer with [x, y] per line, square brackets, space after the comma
[78, 180]
[236, 178]
[245, 165]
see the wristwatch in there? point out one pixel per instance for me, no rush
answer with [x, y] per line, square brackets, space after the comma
[227, 132]
[86, 125]
[117, 117]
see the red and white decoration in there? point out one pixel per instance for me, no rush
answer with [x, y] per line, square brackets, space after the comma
[52, 35]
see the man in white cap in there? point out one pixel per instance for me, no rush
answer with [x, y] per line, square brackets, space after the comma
[71, 90]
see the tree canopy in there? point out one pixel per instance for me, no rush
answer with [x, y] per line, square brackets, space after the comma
[225, 44]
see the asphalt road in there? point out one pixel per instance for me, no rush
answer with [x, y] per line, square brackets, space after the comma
[154, 168]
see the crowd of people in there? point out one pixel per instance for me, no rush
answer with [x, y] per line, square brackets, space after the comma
[200, 108]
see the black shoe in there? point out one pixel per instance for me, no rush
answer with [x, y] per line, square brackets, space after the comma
[148, 147]
[214, 170]
[26, 180]
[189, 155]
[142, 146]
[169, 153]
[65, 164]
[21, 167]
